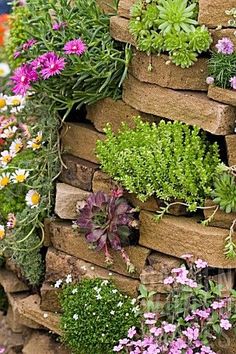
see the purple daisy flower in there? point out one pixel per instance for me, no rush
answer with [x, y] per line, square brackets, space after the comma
[76, 46]
[58, 25]
[52, 65]
[225, 46]
[22, 79]
[233, 82]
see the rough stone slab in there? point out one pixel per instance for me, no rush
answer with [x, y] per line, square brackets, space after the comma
[119, 30]
[29, 307]
[67, 200]
[59, 265]
[114, 112]
[78, 172]
[222, 95]
[50, 300]
[106, 5]
[231, 149]
[176, 236]
[74, 243]
[40, 343]
[47, 232]
[172, 76]
[221, 219]
[212, 12]
[79, 139]
[13, 342]
[11, 283]
[223, 32]
[103, 182]
[124, 7]
[190, 108]
[13, 321]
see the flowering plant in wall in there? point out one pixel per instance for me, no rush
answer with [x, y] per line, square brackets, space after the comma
[222, 65]
[193, 317]
[169, 26]
[28, 164]
[107, 221]
[69, 54]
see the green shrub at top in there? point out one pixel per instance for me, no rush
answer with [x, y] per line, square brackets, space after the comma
[170, 161]
[95, 316]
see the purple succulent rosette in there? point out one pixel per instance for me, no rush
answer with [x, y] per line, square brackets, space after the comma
[107, 221]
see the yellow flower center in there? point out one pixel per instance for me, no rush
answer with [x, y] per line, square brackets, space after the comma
[36, 146]
[3, 103]
[38, 139]
[6, 158]
[35, 198]
[2, 72]
[15, 102]
[2, 234]
[18, 147]
[4, 181]
[20, 178]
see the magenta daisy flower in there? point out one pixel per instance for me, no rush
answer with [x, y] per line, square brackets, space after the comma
[27, 45]
[76, 46]
[225, 46]
[52, 65]
[58, 25]
[22, 79]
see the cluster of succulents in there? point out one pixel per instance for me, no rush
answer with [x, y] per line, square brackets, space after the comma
[107, 221]
[169, 26]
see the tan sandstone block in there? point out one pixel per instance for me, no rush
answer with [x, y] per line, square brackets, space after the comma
[115, 113]
[119, 30]
[59, 265]
[221, 219]
[50, 298]
[212, 12]
[11, 283]
[231, 149]
[106, 5]
[222, 95]
[67, 200]
[176, 236]
[172, 76]
[190, 108]
[41, 343]
[74, 243]
[29, 307]
[78, 172]
[124, 7]
[79, 139]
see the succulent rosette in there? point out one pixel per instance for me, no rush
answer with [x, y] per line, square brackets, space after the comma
[107, 221]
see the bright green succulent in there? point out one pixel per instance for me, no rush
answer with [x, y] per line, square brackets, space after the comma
[224, 192]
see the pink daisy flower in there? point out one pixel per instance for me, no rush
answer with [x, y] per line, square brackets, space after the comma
[52, 65]
[22, 79]
[27, 45]
[76, 46]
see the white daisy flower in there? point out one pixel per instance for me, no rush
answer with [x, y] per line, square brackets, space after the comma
[16, 146]
[2, 231]
[6, 157]
[58, 283]
[4, 69]
[69, 279]
[36, 143]
[32, 198]
[3, 103]
[16, 100]
[9, 132]
[4, 180]
[19, 176]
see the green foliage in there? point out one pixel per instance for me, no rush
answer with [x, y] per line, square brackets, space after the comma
[95, 315]
[222, 67]
[3, 300]
[224, 192]
[98, 73]
[169, 25]
[170, 160]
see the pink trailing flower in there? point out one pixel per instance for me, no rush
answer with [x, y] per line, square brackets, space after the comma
[233, 82]
[131, 332]
[225, 46]
[58, 25]
[75, 46]
[200, 264]
[225, 324]
[22, 79]
[52, 65]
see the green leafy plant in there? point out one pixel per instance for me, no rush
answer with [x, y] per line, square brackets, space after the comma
[96, 71]
[169, 25]
[95, 315]
[224, 192]
[222, 68]
[169, 161]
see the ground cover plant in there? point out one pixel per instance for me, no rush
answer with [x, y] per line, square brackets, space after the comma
[169, 161]
[69, 54]
[169, 26]
[95, 315]
[222, 65]
[193, 317]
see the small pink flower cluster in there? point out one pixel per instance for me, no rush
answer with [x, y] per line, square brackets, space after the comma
[224, 46]
[44, 66]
